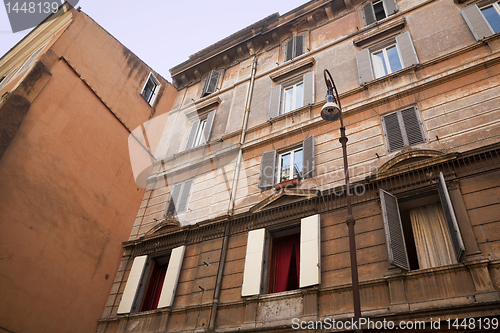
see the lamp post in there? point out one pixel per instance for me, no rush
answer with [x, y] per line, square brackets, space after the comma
[332, 111]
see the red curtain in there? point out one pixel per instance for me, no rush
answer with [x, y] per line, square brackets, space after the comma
[159, 287]
[284, 252]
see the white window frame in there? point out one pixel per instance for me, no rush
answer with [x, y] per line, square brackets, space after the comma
[294, 105]
[383, 6]
[154, 93]
[383, 50]
[292, 155]
[496, 6]
[199, 140]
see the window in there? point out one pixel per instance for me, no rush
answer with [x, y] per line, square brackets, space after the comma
[401, 128]
[386, 58]
[150, 89]
[280, 268]
[200, 130]
[291, 96]
[7, 78]
[421, 233]
[378, 10]
[483, 19]
[211, 83]
[152, 282]
[294, 163]
[294, 47]
[179, 198]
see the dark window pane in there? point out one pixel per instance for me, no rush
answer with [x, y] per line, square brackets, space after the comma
[378, 7]
[492, 17]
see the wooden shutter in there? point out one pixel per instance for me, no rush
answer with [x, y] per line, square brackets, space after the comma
[299, 46]
[184, 196]
[208, 126]
[394, 236]
[308, 80]
[364, 63]
[267, 169]
[308, 157]
[413, 127]
[274, 103]
[211, 82]
[192, 134]
[406, 49]
[171, 277]
[368, 14]
[477, 23]
[451, 220]
[289, 49]
[253, 262]
[390, 6]
[132, 286]
[392, 132]
[310, 251]
[174, 199]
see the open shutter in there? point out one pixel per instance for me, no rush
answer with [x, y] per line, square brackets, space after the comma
[308, 80]
[368, 14]
[192, 134]
[171, 277]
[406, 49]
[392, 132]
[310, 251]
[267, 169]
[451, 220]
[299, 45]
[133, 282]
[308, 157]
[174, 199]
[289, 49]
[213, 82]
[364, 63]
[253, 262]
[393, 230]
[476, 22]
[208, 126]
[390, 6]
[274, 103]
[413, 127]
[184, 196]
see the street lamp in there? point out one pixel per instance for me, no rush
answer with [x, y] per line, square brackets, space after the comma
[332, 111]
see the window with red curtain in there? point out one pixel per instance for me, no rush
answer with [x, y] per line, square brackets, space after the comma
[155, 284]
[284, 270]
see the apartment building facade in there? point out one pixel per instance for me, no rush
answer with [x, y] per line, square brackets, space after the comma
[242, 225]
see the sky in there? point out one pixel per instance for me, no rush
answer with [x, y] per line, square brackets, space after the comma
[165, 33]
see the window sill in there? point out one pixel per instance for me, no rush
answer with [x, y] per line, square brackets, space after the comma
[388, 77]
[292, 66]
[287, 184]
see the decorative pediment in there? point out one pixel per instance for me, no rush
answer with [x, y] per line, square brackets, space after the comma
[284, 196]
[168, 224]
[408, 156]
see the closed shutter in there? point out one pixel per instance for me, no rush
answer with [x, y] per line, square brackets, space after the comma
[133, 282]
[208, 126]
[184, 196]
[299, 45]
[267, 169]
[368, 14]
[476, 22]
[406, 49]
[392, 132]
[451, 220]
[365, 71]
[308, 157]
[174, 199]
[413, 127]
[308, 80]
[390, 6]
[171, 277]
[396, 246]
[192, 134]
[274, 103]
[253, 262]
[289, 50]
[310, 251]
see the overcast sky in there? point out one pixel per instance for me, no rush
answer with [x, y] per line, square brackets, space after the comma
[165, 33]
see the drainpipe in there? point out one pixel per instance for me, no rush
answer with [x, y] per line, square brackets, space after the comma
[215, 304]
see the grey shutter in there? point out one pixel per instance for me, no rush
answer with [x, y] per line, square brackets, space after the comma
[213, 82]
[392, 132]
[308, 80]
[368, 14]
[390, 6]
[289, 50]
[184, 196]
[413, 127]
[299, 45]
[394, 236]
[208, 126]
[476, 22]
[274, 103]
[207, 83]
[451, 220]
[406, 49]
[192, 134]
[267, 169]
[364, 63]
[174, 196]
[308, 157]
